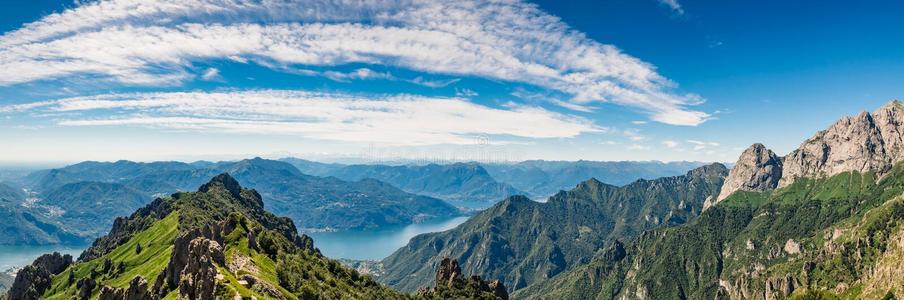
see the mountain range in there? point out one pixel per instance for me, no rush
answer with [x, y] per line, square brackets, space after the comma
[491, 182]
[522, 242]
[823, 222]
[82, 200]
[216, 243]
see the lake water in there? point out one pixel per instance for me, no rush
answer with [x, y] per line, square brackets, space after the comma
[20, 256]
[364, 244]
[375, 244]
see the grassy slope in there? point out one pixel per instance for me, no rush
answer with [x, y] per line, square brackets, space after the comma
[291, 270]
[157, 247]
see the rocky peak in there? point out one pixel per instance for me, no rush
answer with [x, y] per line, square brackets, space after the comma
[863, 143]
[225, 181]
[34, 279]
[757, 169]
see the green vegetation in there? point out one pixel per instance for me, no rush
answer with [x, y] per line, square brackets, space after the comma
[816, 237]
[264, 257]
[520, 242]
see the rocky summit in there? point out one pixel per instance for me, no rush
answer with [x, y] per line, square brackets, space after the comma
[867, 142]
[758, 169]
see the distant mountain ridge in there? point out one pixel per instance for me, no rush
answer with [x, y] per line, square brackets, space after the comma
[84, 198]
[493, 182]
[521, 242]
[457, 182]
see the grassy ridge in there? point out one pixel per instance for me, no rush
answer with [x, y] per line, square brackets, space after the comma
[157, 246]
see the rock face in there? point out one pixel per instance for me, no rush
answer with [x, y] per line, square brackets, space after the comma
[450, 284]
[862, 143]
[191, 268]
[758, 169]
[34, 279]
[866, 142]
[199, 277]
[137, 290]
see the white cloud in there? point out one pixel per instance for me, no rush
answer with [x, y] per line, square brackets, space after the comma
[638, 122]
[670, 144]
[359, 74]
[701, 145]
[466, 93]
[154, 42]
[674, 5]
[402, 120]
[211, 74]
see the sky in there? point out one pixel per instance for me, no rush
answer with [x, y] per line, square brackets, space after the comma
[436, 80]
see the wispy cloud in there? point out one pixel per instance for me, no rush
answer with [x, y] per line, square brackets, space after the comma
[211, 74]
[674, 5]
[388, 120]
[670, 144]
[141, 42]
[701, 145]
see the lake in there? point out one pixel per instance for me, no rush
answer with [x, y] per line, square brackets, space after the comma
[20, 256]
[375, 244]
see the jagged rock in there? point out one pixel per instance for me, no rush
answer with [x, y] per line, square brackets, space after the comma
[137, 290]
[198, 278]
[757, 169]
[447, 272]
[252, 241]
[85, 287]
[866, 142]
[34, 279]
[451, 284]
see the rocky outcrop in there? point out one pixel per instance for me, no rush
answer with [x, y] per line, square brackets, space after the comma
[34, 279]
[199, 277]
[137, 290]
[448, 272]
[189, 268]
[863, 143]
[451, 284]
[757, 169]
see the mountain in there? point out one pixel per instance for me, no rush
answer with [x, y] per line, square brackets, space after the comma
[10, 194]
[88, 208]
[832, 227]
[18, 226]
[458, 182]
[520, 242]
[216, 243]
[466, 184]
[329, 202]
[541, 178]
[84, 197]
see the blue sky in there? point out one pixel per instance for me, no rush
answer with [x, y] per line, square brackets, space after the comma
[568, 80]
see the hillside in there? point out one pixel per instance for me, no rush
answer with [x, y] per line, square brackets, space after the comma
[824, 222]
[520, 242]
[218, 242]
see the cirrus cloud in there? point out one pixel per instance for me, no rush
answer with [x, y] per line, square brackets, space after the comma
[400, 120]
[140, 42]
